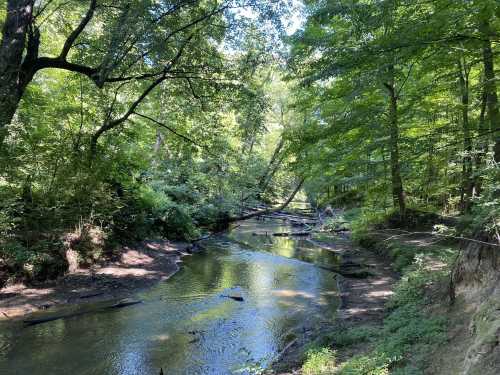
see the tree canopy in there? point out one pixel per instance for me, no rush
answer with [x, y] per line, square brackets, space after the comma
[171, 117]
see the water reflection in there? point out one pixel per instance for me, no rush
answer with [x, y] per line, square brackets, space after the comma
[185, 325]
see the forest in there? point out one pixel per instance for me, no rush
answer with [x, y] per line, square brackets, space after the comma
[125, 121]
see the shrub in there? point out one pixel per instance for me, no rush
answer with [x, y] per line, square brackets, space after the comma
[319, 362]
[356, 335]
[44, 260]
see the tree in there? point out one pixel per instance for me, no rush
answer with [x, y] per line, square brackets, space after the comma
[137, 46]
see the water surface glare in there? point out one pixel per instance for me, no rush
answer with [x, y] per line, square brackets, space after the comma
[186, 325]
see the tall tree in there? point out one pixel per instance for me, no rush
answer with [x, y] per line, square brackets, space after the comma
[139, 45]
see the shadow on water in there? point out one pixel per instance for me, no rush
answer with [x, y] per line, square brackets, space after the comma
[187, 325]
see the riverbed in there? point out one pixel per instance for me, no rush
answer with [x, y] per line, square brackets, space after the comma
[232, 308]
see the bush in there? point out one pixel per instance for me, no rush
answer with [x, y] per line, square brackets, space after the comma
[147, 212]
[356, 335]
[45, 260]
[319, 362]
[367, 221]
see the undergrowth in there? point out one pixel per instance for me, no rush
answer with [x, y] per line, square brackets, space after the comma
[401, 344]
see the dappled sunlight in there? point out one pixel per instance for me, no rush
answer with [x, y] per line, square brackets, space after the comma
[133, 257]
[125, 272]
[162, 337]
[380, 294]
[293, 294]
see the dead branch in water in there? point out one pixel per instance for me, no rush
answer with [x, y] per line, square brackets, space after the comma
[269, 210]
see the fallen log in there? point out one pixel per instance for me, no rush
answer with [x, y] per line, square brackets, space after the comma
[124, 303]
[288, 234]
[118, 305]
[91, 295]
[236, 298]
[269, 210]
[33, 322]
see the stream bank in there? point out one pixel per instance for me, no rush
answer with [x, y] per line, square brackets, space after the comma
[133, 268]
[364, 295]
[398, 318]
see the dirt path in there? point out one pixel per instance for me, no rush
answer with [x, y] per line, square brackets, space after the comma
[135, 268]
[364, 299]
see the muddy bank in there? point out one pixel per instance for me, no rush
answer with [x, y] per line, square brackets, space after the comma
[133, 268]
[363, 295]
[364, 299]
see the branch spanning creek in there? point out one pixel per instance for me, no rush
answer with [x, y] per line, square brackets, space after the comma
[244, 302]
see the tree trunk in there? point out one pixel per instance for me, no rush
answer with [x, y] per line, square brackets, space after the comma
[398, 195]
[467, 184]
[491, 89]
[481, 145]
[270, 170]
[12, 80]
[269, 210]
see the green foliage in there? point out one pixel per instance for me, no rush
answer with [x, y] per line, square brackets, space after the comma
[319, 362]
[376, 364]
[355, 335]
[367, 221]
[198, 164]
[437, 133]
[40, 262]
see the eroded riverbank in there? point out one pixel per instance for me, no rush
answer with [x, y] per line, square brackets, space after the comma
[133, 269]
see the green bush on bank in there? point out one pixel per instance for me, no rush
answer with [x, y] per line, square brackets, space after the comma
[319, 362]
[35, 232]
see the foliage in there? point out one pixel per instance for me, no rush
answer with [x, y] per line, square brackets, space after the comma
[319, 361]
[436, 134]
[89, 151]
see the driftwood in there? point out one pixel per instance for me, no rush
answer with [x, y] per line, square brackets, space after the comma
[269, 210]
[33, 322]
[118, 305]
[91, 295]
[287, 234]
[123, 303]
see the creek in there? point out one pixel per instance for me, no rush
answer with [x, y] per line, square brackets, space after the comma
[188, 324]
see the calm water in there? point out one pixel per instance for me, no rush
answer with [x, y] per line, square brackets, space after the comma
[185, 325]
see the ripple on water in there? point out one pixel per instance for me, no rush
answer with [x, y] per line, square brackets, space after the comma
[185, 325]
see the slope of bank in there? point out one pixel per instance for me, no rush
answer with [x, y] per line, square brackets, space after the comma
[132, 268]
[395, 318]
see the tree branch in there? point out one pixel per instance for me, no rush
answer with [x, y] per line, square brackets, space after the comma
[185, 137]
[269, 210]
[108, 125]
[76, 32]
[56, 62]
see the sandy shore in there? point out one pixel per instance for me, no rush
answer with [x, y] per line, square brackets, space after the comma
[134, 268]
